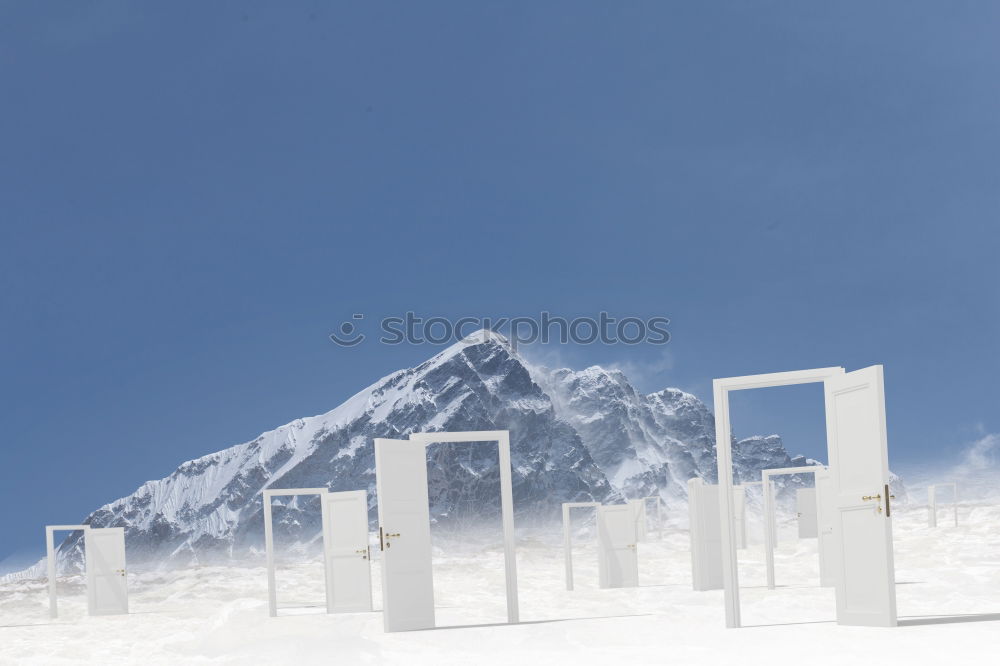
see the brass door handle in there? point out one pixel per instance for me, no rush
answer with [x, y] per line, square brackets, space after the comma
[872, 497]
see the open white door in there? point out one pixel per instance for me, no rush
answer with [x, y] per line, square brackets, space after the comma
[104, 553]
[348, 558]
[859, 463]
[805, 507]
[617, 559]
[826, 516]
[404, 535]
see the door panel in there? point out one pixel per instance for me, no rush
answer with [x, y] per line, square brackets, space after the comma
[107, 588]
[805, 506]
[859, 464]
[706, 535]
[348, 563]
[638, 508]
[826, 511]
[618, 561]
[405, 535]
[740, 516]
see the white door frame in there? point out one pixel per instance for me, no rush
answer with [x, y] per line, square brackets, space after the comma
[771, 523]
[50, 560]
[568, 539]
[723, 446]
[272, 593]
[932, 502]
[502, 438]
[644, 503]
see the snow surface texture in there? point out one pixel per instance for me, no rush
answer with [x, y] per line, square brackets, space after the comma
[218, 614]
[575, 436]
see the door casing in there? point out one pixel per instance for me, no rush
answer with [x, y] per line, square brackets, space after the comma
[723, 433]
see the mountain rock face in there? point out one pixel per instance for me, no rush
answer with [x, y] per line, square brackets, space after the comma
[646, 445]
[575, 436]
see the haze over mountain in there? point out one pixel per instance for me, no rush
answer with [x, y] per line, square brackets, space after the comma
[585, 435]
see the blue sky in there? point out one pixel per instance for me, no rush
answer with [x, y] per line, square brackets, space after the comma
[195, 194]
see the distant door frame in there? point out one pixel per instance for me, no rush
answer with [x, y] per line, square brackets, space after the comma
[723, 445]
[932, 502]
[568, 538]
[770, 526]
[272, 592]
[639, 506]
[50, 560]
[502, 439]
[89, 572]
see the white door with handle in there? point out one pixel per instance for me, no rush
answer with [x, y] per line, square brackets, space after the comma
[348, 556]
[107, 588]
[805, 507]
[404, 535]
[859, 463]
[617, 559]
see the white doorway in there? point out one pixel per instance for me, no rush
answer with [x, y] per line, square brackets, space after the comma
[404, 526]
[825, 543]
[858, 455]
[346, 555]
[104, 564]
[568, 536]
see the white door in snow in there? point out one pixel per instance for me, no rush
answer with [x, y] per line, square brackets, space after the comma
[617, 559]
[706, 535]
[349, 573]
[805, 506]
[826, 515]
[859, 463]
[104, 553]
[740, 515]
[638, 507]
[404, 535]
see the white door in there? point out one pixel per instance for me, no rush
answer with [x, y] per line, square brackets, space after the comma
[706, 535]
[638, 508]
[740, 515]
[348, 565]
[805, 507]
[826, 513]
[104, 554]
[859, 463]
[404, 535]
[617, 559]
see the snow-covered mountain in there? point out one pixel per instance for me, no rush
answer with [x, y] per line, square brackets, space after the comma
[575, 436]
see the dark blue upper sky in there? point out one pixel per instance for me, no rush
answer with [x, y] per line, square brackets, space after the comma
[193, 195]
